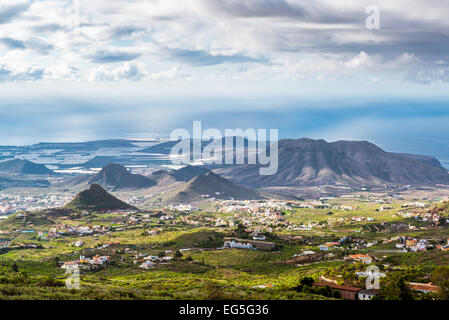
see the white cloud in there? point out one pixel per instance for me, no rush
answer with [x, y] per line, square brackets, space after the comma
[377, 62]
[21, 72]
[174, 73]
[64, 71]
[133, 71]
[128, 71]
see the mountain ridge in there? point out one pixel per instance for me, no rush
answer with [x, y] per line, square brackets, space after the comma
[308, 162]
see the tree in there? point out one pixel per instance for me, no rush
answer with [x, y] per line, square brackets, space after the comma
[442, 221]
[178, 254]
[56, 261]
[15, 267]
[305, 284]
[306, 281]
[240, 230]
[440, 277]
[395, 288]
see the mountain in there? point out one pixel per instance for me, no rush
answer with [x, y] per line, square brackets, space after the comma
[19, 166]
[188, 172]
[161, 148]
[307, 162]
[99, 161]
[424, 159]
[160, 175]
[117, 176]
[213, 186]
[184, 174]
[96, 198]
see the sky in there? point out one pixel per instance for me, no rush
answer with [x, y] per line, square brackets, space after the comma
[95, 69]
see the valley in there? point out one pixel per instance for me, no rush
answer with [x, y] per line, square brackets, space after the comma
[158, 232]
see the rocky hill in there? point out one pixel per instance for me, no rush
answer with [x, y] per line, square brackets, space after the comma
[211, 185]
[95, 199]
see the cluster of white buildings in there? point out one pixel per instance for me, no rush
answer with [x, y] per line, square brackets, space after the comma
[183, 207]
[422, 216]
[415, 204]
[81, 230]
[252, 206]
[149, 261]
[11, 203]
[83, 261]
[412, 244]
[238, 245]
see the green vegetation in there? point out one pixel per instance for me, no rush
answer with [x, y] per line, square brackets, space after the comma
[199, 268]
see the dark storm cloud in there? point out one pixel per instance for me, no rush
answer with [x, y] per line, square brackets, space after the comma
[400, 31]
[204, 58]
[426, 44]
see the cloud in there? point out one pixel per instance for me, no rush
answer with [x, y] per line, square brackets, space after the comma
[11, 9]
[104, 56]
[125, 31]
[257, 8]
[13, 43]
[46, 28]
[128, 71]
[32, 44]
[20, 72]
[174, 73]
[204, 58]
[133, 71]
[378, 62]
[426, 75]
[64, 71]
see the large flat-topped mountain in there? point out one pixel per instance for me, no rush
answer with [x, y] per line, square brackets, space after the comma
[305, 162]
